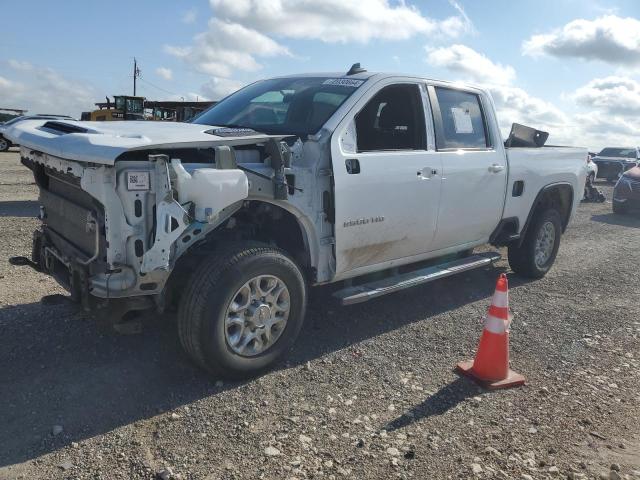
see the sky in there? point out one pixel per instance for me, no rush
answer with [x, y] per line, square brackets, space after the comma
[571, 67]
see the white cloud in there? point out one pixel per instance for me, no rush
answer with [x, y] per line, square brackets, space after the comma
[226, 47]
[336, 20]
[614, 115]
[613, 95]
[18, 65]
[5, 84]
[468, 24]
[218, 88]
[243, 33]
[44, 90]
[514, 104]
[471, 64]
[610, 39]
[616, 101]
[597, 130]
[190, 16]
[165, 73]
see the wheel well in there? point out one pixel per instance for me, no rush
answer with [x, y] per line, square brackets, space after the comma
[558, 197]
[273, 225]
[257, 221]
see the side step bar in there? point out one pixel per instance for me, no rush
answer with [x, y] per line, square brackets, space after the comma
[367, 291]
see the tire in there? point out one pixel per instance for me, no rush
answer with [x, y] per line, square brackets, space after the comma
[619, 208]
[522, 259]
[4, 144]
[222, 279]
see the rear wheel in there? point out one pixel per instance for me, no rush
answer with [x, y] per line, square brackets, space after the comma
[4, 144]
[242, 310]
[537, 253]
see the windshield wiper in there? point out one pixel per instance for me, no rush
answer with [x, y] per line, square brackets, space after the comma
[233, 130]
[236, 125]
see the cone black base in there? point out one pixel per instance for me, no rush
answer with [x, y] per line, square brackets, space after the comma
[513, 379]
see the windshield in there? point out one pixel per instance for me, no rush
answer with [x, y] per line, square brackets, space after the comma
[618, 152]
[297, 106]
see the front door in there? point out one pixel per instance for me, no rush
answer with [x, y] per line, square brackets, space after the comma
[474, 168]
[387, 184]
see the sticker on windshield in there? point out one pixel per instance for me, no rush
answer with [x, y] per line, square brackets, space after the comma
[462, 120]
[343, 82]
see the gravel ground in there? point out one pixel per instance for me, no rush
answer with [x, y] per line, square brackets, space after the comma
[368, 391]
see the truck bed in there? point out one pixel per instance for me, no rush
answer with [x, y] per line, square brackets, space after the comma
[539, 167]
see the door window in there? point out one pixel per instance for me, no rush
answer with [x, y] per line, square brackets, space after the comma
[392, 120]
[460, 122]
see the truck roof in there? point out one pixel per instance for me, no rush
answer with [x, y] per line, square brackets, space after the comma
[366, 75]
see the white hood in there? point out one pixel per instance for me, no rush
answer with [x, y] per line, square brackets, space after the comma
[103, 142]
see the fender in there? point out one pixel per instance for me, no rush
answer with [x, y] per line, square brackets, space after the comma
[538, 200]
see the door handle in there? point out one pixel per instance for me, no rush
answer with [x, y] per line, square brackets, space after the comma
[495, 168]
[352, 165]
[427, 172]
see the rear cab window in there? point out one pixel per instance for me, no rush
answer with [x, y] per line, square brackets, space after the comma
[459, 119]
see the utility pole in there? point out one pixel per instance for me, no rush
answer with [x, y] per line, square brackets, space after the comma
[136, 74]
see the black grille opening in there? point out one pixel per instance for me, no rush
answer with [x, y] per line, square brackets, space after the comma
[64, 128]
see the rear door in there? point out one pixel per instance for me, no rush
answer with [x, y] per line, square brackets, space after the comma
[474, 167]
[386, 180]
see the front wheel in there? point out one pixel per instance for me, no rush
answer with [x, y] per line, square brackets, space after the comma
[242, 310]
[537, 253]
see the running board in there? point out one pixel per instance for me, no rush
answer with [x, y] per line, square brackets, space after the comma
[367, 291]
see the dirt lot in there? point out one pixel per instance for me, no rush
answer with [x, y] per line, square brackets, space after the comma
[368, 391]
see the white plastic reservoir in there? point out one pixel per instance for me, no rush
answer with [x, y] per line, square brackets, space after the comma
[209, 189]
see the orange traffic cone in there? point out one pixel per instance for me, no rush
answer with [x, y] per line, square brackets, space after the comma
[491, 365]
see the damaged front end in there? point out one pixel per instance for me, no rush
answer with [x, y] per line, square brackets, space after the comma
[112, 234]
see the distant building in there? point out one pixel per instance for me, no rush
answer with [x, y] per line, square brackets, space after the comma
[175, 111]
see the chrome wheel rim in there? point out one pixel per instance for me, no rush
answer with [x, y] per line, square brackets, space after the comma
[257, 315]
[545, 242]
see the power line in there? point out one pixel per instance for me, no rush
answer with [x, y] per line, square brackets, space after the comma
[159, 88]
[137, 74]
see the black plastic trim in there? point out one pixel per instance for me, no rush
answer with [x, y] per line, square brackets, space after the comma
[496, 237]
[537, 201]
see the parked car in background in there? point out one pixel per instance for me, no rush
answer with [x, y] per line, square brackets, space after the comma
[626, 193]
[5, 143]
[614, 161]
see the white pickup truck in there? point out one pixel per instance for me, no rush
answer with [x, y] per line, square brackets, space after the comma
[288, 183]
